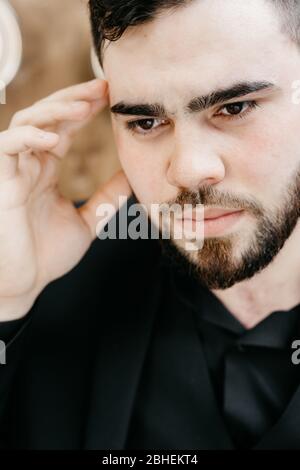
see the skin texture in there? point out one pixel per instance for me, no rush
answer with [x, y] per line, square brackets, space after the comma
[54, 235]
[190, 52]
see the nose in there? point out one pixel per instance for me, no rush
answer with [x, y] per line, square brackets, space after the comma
[194, 160]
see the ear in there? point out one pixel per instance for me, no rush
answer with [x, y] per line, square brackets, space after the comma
[97, 69]
[10, 43]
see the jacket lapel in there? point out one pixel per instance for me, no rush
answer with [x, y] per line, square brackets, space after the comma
[285, 433]
[118, 368]
[119, 361]
[181, 408]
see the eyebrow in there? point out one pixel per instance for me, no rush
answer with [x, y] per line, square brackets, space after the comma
[198, 104]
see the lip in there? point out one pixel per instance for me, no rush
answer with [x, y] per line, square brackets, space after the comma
[212, 214]
[215, 222]
[209, 214]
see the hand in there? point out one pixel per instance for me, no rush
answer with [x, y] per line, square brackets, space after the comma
[43, 236]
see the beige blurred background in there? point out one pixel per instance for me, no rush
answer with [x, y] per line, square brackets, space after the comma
[56, 54]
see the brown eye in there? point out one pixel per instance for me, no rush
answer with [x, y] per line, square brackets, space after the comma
[234, 108]
[146, 124]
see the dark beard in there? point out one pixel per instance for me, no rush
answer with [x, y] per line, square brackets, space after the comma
[214, 266]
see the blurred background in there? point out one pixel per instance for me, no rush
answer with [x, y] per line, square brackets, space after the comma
[56, 54]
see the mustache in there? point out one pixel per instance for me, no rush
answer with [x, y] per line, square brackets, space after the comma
[209, 196]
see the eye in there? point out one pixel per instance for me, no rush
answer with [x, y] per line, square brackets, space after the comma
[145, 126]
[236, 110]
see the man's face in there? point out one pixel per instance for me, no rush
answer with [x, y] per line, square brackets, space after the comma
[239, 151]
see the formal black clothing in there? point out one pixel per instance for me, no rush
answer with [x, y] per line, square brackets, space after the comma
[251, 370]
[113, 347]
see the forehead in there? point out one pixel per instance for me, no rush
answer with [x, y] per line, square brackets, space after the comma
[206, 44]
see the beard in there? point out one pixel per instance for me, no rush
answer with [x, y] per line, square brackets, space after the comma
[214, 265]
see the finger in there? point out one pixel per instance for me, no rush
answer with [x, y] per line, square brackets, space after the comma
[73, 116]
[94, 89]
[20, 139]
[71, 127]
[109, 194]
[15, 141]
[67, 129]
[50, 113]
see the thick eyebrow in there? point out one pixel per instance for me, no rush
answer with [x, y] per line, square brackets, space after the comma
[223, 95]
[155, 110]
[198, 104]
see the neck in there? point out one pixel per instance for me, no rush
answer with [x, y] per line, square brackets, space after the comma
[277, 287]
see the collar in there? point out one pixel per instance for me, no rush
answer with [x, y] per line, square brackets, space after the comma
[277, 330]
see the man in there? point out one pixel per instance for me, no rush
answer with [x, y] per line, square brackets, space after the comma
[146, 344]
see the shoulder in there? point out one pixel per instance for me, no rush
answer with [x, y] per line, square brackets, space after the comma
[105, 279]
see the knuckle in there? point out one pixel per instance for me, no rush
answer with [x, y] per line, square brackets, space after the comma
[5, 134]
[17, 117]
[29, 131]
[21, 117]
[28, 128]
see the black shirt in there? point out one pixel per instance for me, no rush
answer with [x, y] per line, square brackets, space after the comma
[251, 372]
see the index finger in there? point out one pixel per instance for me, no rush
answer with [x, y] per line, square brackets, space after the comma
[91, 90]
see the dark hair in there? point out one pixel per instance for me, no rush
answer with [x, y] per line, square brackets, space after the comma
[110, 18]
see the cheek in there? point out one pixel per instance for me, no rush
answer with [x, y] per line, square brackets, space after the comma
[263, 159]
[256, 161]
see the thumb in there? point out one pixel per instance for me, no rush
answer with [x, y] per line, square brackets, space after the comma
[108, 194]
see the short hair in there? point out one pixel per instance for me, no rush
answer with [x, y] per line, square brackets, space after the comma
[289, 12]
[111, 18]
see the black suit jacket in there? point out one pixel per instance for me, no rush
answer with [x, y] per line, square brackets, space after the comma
[72, 372]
